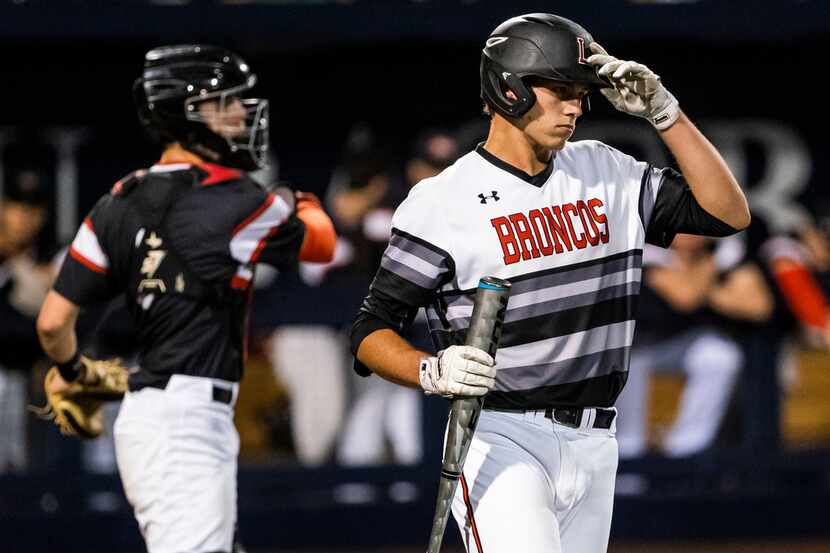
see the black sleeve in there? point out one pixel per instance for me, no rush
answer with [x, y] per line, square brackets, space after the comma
[267, 228]
[676, 210]
[392, 303]
[282, 248]
[86, 275]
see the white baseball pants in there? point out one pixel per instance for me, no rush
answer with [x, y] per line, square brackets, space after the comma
[534, 486]
[177, 452]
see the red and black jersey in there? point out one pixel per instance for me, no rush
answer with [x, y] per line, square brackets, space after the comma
[181, 241]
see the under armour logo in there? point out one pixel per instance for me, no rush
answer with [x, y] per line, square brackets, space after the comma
[494, 195]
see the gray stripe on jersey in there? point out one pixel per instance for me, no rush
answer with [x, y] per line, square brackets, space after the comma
[648, 196]
[459, 316]
[412, 261]
[569, 346]
[413, 275]
[418, 250]
[563, 372]
[633, 260]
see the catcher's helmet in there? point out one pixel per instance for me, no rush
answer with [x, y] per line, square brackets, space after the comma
[176, 79]
[538, 45]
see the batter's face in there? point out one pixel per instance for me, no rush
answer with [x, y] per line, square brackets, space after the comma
[552, 119]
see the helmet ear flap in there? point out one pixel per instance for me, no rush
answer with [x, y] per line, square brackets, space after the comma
[496, 81]
[145, 114]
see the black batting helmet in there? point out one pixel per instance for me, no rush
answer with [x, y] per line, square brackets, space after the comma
[177, 79]
[534, 45]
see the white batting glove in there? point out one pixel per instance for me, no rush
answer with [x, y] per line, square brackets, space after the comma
[637, 89]
[458, 371]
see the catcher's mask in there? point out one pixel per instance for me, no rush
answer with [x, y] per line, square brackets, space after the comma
[177, 79]
[539, 45]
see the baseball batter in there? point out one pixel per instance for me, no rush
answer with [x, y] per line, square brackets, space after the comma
[565, 223]
[181, 240]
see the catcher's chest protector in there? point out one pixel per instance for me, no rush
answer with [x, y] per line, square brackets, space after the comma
[156, 266]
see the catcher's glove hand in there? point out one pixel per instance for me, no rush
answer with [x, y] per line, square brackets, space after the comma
[77, 407]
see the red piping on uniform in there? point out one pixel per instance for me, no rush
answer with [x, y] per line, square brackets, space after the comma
[470, 514]
[265, 205]
[261, 245]
[218, 173]
[88, 263]
[239, 283]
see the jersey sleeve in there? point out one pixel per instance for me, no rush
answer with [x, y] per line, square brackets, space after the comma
[669, 207]
[415, 264]
[271, 233]
[85, 274]
[665, 202]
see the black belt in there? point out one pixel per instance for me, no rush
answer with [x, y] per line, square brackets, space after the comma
[222, 395]
[572, 416]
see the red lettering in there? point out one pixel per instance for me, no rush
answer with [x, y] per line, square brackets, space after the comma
[591, 230]
[557, 229]
[508, 242]
[537, 223]
[600, 218]
[526, 241]
[579, 241]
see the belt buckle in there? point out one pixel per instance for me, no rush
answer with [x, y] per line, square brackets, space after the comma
[576, 413]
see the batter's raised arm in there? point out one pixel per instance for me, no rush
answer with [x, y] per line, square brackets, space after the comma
[638, 91]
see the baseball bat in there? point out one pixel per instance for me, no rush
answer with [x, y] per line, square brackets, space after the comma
[484, 333]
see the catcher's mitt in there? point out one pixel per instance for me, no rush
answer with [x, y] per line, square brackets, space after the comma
[78, 408]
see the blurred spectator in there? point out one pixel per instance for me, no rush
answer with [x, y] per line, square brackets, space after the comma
[673, 334]
[309, 357]
[23, 285]
[710, 314]
[382, 413]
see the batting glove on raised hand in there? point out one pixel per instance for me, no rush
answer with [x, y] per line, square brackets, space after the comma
[458, 371]
[637, 89]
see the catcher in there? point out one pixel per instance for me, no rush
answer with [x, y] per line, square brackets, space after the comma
[181, 240]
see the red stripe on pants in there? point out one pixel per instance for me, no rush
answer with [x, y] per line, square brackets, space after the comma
[470, 515]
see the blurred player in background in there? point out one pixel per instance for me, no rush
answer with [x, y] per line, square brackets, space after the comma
[23, 285]
[384, 414]
[673, 334]
[701, 309]
[566, 224]
[182, 240]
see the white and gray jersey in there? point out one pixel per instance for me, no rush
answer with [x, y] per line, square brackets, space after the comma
[570, 240]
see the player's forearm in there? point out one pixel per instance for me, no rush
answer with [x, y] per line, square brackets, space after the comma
[56, 327]
[743, 296]
[686, 288]
[707, 174]
[391, 357]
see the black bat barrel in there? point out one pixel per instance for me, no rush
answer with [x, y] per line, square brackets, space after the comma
[484, 333]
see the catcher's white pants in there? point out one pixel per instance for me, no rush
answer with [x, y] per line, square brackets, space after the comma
[177, 452]
[534, 486]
